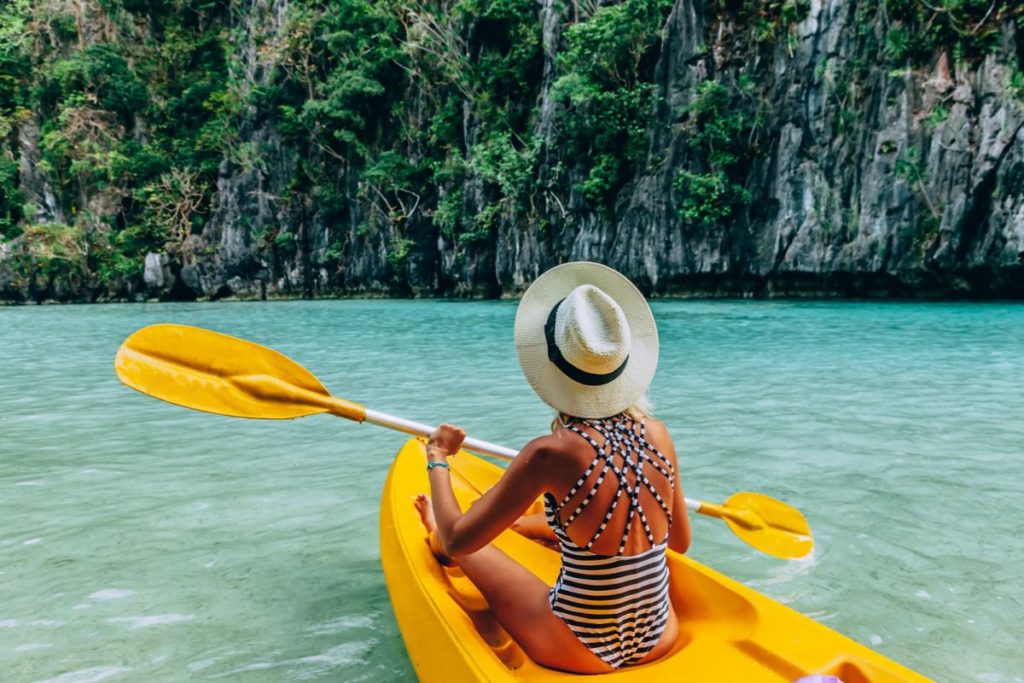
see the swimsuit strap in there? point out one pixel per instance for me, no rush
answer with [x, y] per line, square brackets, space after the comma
[620, 437]
[598, 457]
[627, 450]
[646, 449]
[643, 449]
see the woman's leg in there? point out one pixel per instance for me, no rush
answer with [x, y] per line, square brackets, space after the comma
[519, 601]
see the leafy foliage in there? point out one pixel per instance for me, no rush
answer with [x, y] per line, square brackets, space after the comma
[424, 111]
[131, 133]
[148, 125]
[719, 132]
[1015, 85]
[14, 42]
[607, 68]
[967, 29]
[766, 19]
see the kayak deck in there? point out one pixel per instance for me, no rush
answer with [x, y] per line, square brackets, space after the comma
[727, 632]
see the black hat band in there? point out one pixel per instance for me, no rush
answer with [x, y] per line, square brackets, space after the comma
[568, 369]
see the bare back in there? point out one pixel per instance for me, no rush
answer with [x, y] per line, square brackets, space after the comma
[575, 454]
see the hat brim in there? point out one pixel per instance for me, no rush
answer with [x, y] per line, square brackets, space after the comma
[551, 384]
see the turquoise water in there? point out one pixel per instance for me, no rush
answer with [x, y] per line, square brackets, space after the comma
[143, 542]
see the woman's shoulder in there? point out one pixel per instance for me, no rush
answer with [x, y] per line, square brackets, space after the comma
[548, 446]
[657, 434]
[653, 425]
[553, 450]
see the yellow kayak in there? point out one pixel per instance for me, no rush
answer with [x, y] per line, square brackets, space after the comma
[728, 633]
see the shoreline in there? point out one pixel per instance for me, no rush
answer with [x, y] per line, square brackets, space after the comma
[725, 297]
[1006, 284]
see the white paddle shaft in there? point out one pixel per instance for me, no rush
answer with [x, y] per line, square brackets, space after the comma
[419, 429]
[470, 444]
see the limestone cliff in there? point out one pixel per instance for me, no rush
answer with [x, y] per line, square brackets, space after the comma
[855, 171]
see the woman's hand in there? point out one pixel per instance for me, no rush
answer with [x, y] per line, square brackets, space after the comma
[443, 442]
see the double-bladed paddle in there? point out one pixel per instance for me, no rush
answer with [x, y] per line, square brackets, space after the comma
[217, 373]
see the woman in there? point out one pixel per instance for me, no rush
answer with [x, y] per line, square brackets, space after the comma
[588, 345]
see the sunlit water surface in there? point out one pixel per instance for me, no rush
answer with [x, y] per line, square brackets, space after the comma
[143, 542]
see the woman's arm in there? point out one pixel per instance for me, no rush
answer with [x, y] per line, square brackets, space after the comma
[462, 533]
[679, 532]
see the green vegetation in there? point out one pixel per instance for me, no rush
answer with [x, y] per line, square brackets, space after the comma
[139, 117]
[966, 29]
[937, 116]
[121, 189]
[14, 40]
[719, 134]
[1015, 86]
[766, 20]
[607, 67]
[909, 168]
[424, 112]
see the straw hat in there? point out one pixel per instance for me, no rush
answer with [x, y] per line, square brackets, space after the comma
[586, 340]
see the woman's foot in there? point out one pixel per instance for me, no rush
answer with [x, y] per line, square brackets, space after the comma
[422, 504]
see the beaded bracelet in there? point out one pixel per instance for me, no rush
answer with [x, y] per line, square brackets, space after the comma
[439, 463]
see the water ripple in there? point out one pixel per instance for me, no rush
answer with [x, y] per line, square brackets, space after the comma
[896, 428]
[93, 674]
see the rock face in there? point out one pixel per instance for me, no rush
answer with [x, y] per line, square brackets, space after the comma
[893, 204]
[865, 180]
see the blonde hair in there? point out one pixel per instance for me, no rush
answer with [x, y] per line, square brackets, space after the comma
[640, 409]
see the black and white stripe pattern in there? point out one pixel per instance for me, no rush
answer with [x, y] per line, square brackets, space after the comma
[616, 605]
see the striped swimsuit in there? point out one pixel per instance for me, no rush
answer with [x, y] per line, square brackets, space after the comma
[617, 605]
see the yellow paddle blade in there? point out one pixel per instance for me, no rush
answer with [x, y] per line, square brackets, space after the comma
[217, 373]
[771, 526]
